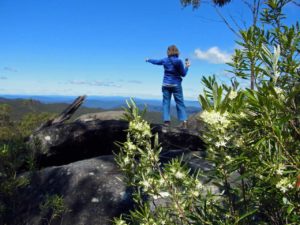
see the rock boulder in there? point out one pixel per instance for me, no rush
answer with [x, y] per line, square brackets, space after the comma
[92, 191]
[97, 134]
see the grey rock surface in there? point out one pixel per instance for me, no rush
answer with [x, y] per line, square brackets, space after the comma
[195, 124]
[93, 136]
[107, 115]
[76, 162]
[65, 143]
[92, 191]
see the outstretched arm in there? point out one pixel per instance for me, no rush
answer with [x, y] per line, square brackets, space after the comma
[155, 61]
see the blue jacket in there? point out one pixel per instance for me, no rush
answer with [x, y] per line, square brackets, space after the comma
[174, 69]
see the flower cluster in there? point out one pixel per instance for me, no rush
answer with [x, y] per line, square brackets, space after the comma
[284, 185]
[215, 118]
[221, 143]
[278, 91]
[140, 129]
[232, 95]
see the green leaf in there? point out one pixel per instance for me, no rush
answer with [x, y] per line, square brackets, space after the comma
[245, 215]
[290, 209]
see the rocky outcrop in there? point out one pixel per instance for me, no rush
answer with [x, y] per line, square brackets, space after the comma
[80, 168]
[107, 115]
[92, 190]
[65, 143]
[94, 135]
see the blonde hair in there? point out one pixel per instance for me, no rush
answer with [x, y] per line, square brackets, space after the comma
[173, 51]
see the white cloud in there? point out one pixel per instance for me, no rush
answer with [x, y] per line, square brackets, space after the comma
[79, 82]
[10, 69]
[95, 83]
[135, 81]
[213, 55]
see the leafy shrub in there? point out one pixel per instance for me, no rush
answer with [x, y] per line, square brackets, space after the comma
[53, 207]
[32, 121]
[252, 137]
[139, 160]
[14, 155]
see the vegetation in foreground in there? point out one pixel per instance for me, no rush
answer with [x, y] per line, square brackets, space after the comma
[252, 137]
[15, 156]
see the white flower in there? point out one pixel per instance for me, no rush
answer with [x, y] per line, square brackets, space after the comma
[239, 142]
[232, 95]
[162, 194]
[145, 184]
[227, 157]
[280, 169]
[161, 181]
[199, 185]
[283, 189]
[173, 170]
[126, 160]
[179, 175]
[220, 144]
[47, 138]
[278, 90]
[242, 115]
[226, 138]
[130, 146]
[195, 193]
[140, 128]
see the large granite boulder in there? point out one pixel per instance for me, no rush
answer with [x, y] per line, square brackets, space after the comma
[92, 190]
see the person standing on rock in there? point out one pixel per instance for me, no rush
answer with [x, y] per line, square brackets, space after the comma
[174, 70]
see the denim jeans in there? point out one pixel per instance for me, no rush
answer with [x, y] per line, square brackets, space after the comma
[178, 97]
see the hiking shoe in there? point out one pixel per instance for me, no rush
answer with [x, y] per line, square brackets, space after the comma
[167, 123]
[184, 125]
[166, 126]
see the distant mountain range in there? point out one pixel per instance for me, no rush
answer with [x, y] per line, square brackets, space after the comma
[106, 103]
[21, 106]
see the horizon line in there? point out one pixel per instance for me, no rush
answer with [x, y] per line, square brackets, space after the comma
[105, 96]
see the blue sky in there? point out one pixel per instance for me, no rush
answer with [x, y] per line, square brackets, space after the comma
[75, 47]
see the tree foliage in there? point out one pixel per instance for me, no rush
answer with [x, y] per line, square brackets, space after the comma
[196, 3]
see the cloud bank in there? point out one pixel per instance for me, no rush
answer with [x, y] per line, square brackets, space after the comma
[213, 55]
